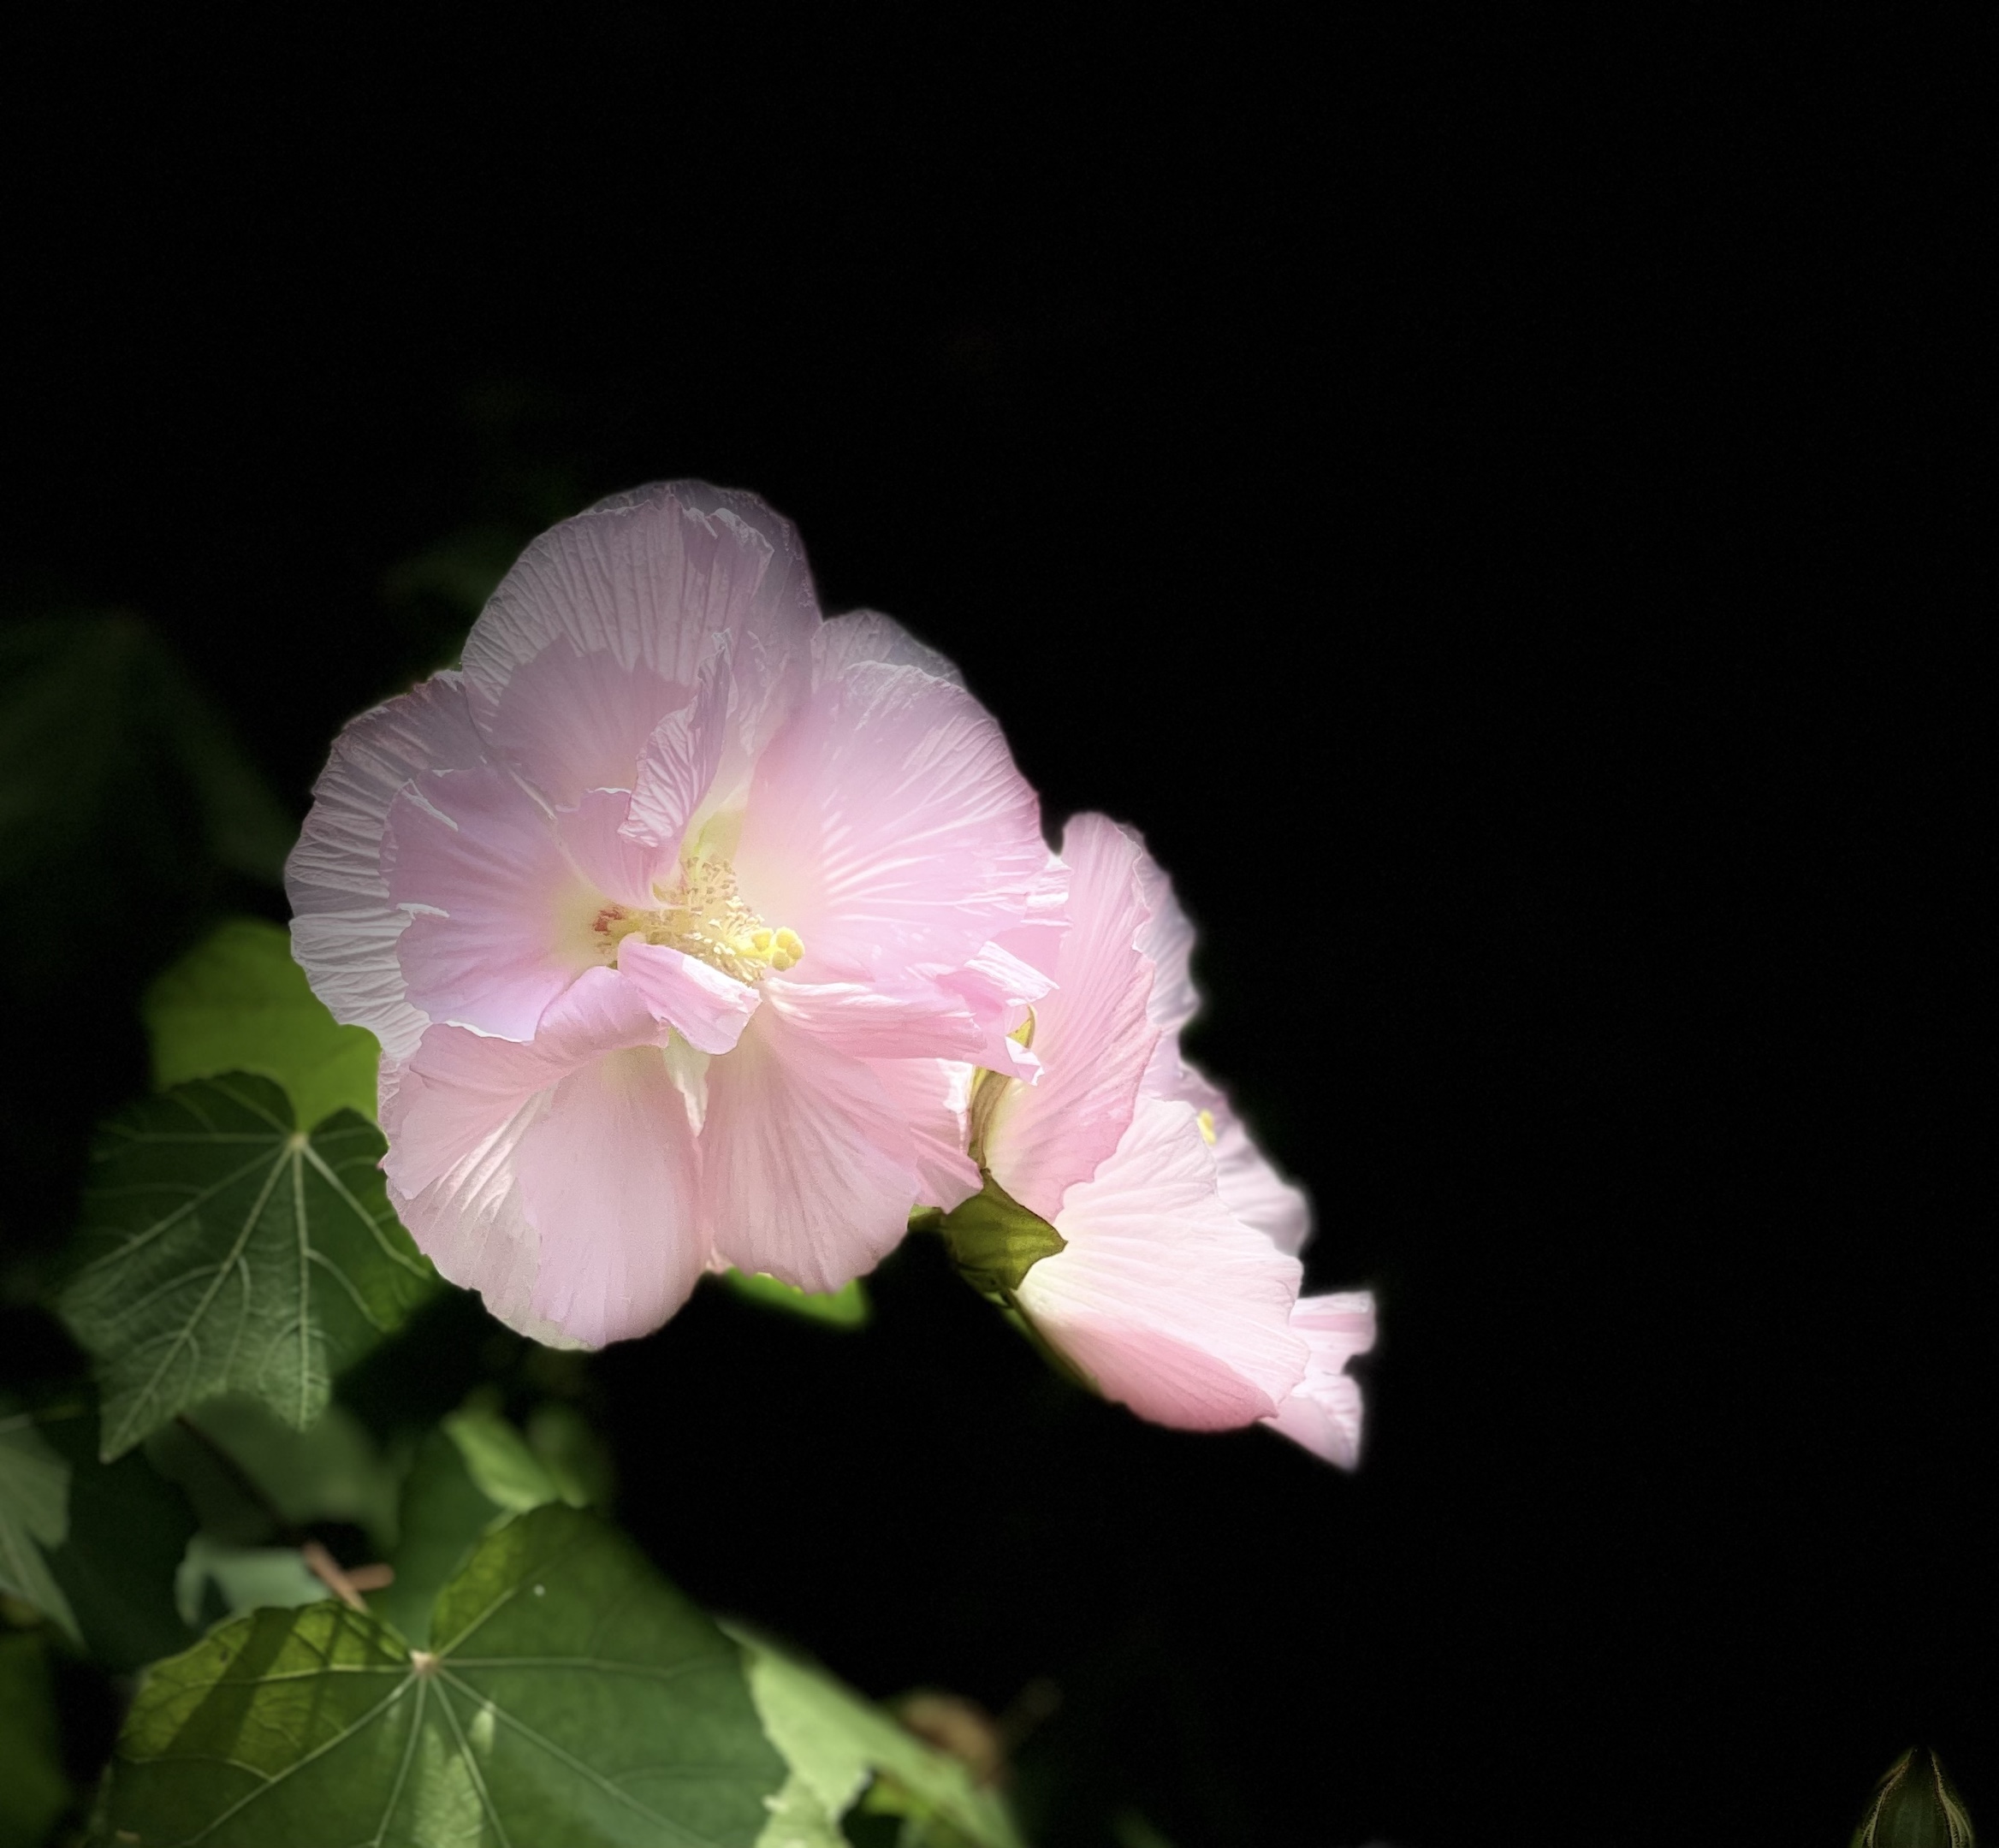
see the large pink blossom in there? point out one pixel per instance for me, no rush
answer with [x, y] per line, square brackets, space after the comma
[1177, 1291]
[677, 911]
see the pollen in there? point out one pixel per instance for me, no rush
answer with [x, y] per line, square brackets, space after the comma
[1205, 1119]
[704, 915]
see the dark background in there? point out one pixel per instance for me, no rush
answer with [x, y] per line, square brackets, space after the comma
[1493, 513]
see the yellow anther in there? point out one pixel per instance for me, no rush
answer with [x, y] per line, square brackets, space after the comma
[1205, 1119]
[703, 917]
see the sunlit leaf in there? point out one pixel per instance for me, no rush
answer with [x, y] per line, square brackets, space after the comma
[217, 1580]
[237, 1001]
[34, 1789]
[223, 1249]
[835, 1741]
[846, 1308]
[572, 1697]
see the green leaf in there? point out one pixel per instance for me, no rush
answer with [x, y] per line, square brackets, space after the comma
[237, 1001]
[444, 1515]
[240, 1463]
[509, 1474]
[219, 1580]
[101, 729]
[222, 1248]
[34, 1515]
[846, 1307]
[34, 1789]
[573, 1697]
[835, 1741]
[995, 1241]
[128, 1527]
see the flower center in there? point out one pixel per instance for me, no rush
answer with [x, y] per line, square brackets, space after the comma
[704, 916]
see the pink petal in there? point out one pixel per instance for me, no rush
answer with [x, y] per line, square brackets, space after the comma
[908, 1018]
[680, 760]
[606, 858]
[1325, 1414]
[504, 924]
[599, 1012]
[453, 1098]
[344, 925]
[807, 1166]
[1168, 940]
[571, 721]
[888, 823]
[931, 1096]
[868, 635]
[1170, 1303]
[649, 577]
[1092, 1033]
[1251, 1188]
[709, 1009]
[610, 1182]
[998, 987]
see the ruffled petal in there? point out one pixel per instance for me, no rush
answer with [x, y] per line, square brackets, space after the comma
[868, 635]
[1092, 1035]
[1163, 1297]
[808, 1167]
[649, 577]
[908, 1018]
[610, 1177]
[932, 1096]
[709, 1009]
[886, 824]
[680, 759]
[345, 926]
[1168, 940]
[607, 859]
[599, 1012]
[503, 918]
[1251, 1188]
[570, 721]
[1324, 1413]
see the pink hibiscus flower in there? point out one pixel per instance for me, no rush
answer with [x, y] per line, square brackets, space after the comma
[669, 907]
[1177, 1291]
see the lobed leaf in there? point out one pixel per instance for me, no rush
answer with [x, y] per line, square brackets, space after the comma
[237, 1001]
[223, 1249]
[571, 1697]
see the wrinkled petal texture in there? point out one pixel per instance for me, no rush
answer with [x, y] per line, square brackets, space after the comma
[609, 1177]
[1324, 1412]
[649, 577]
[808, 1169]
[540, 878]
[500, 913]
[887, 826]
[1168, 1302]
[1092, 1035]
[344, 927]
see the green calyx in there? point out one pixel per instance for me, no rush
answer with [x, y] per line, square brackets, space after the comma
[995, 1241]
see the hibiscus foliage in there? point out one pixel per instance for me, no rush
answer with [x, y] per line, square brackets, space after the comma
[224, 1247]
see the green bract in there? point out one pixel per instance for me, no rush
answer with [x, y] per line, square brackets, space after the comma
[223, 1249]
[570, 1697]
[995, 1241]
[237, 1001]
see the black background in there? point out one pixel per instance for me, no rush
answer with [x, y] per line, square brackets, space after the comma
[1493, 513]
